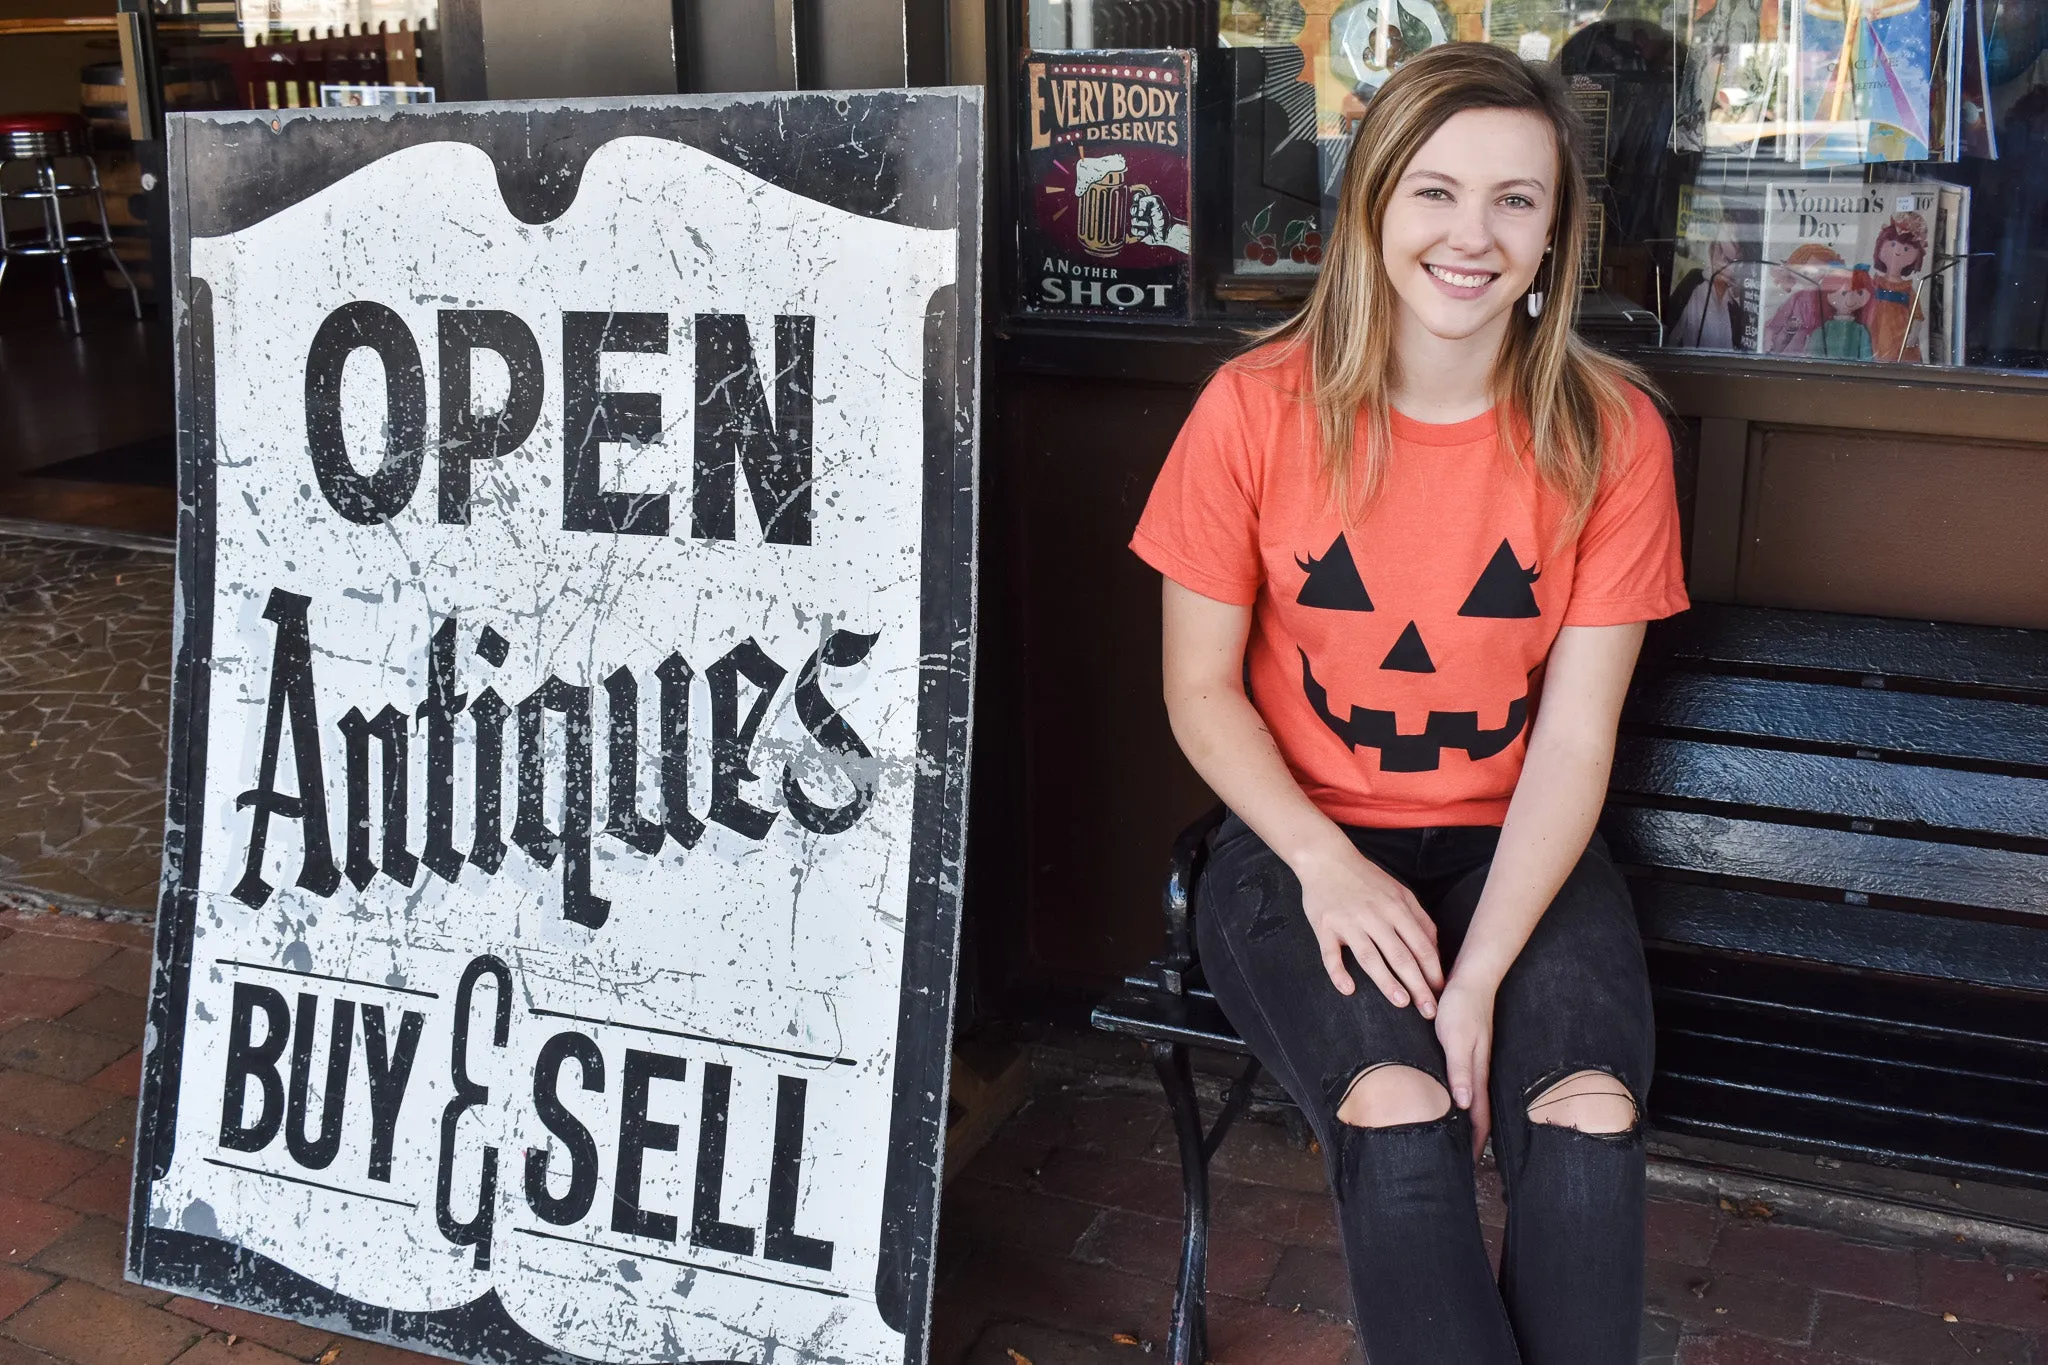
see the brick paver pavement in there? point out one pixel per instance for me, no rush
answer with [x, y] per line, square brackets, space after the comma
[1058, 1243]
[1065, 1233]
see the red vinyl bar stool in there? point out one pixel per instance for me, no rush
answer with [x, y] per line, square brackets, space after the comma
[42, 141]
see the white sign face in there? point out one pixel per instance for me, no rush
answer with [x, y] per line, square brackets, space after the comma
[566, 825]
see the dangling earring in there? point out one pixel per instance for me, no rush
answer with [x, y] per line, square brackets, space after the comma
[1535, 296]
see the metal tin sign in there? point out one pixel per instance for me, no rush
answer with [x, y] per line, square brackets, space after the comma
[1106, 186]
[570, 730]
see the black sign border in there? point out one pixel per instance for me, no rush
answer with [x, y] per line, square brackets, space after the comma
[908, 156]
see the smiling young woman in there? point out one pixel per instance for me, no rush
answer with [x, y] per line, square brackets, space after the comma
[1409, 544]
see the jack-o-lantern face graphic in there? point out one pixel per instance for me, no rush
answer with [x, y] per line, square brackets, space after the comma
[1501, 591]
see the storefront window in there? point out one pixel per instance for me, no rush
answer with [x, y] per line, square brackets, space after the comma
[1833, 180]
[290, 54]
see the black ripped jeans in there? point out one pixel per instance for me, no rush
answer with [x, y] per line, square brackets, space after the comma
[1577, 999]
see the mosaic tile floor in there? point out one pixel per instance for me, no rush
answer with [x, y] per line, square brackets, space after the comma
[85, 684]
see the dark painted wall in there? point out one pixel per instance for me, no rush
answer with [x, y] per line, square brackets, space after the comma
[1078, 787]
[1949, 530]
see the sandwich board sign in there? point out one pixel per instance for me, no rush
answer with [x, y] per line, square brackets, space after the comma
[567, 786]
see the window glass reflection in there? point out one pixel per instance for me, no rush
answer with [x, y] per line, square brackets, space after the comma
[1803, 180]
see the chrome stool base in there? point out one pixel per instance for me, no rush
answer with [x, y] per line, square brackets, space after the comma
[41, 142]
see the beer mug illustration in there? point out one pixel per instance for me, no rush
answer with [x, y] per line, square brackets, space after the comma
[1104, 225]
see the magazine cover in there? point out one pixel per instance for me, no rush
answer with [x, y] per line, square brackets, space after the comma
[1107, 184]
[1847, 269]
[1977, 131]
[1902, 258]
[1735, 88]
[1715, 290]
[1941, 279]
[1865, 80]
[1955, 263]
[1944, 103]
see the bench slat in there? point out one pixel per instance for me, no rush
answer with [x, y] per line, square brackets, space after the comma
[1956, 1009]
[1745, 1018]
[1759, 1113]
[1989, 881]
[1966, 728]
[1879, 1083]
[1708, 1020]
[1157, 1013]
[1985, 804]
[1927, 652]
[2013, 956]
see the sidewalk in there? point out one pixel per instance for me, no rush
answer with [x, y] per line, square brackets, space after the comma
[1065, 1231]
[1059, 1238]
[1058, 1243]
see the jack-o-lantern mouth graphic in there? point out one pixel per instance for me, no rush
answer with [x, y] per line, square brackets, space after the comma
[1503, 591]
[1368, 728]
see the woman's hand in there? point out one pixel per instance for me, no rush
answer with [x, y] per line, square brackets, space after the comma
[1464, 1026]
[1352, 903]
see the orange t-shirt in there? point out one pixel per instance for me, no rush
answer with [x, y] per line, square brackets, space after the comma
[1395, 661]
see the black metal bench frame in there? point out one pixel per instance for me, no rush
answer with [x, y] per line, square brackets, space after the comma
[1169, 1012]
[1781, 780]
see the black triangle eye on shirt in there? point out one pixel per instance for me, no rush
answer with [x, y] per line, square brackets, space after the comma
[1503, 588]
[1333, 582]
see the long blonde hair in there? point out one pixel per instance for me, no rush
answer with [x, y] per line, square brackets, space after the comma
[1568, 396]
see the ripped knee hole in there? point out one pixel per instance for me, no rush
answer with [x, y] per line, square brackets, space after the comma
[1391, 1094]
[1590, 1101]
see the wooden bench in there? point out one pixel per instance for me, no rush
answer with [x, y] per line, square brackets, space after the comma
[1836, 832]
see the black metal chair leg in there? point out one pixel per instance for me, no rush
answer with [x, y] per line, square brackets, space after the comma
[1187, 1340]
